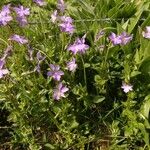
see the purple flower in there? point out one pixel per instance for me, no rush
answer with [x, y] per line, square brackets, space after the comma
[59, 91]
[121, 39]
[3, 71]
[125, 38]
[78, 46]
[146, 33]
[19, 39]
[6, 9]
[21, 11]
[40, 2]
[115, 39]
[22, 21]
[61, 5]
[21, 15]
[55, 72]
[66, 24]
[126, 87]
[54, 16]
[71, 65]
[5, 15]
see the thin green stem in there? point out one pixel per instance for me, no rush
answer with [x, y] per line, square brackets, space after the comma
[84, 72]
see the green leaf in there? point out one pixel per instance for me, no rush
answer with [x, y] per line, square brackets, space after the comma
[98, 99]
[49, 146]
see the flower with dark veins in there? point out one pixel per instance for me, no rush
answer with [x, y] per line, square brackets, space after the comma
[59, 91]
[55, 72]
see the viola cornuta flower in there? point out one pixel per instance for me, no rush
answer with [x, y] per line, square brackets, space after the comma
[125, 38]
[3, 71]
[21, 15]
[5, 15]
[115, 39]
[126, 87]
[40, 2]
[146, 33]
[54, 16]
[66, 24]
[21, 11]
[22, 21]
[6, 9]
[121, 39]
[61, 5]
[19, 39]
[59, 91]
[55, 72]
[71, 65]
[78, 46]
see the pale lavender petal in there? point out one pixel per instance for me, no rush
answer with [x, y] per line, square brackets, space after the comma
[146, 33]
[54, 16]
[40, 2]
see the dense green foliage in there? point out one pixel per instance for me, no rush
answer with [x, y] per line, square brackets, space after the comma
[96, 112]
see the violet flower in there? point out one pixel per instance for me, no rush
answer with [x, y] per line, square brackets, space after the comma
[59, 91]
[19, 39]
[22, 21]
[5, 15]
[125, 38]
[78, 46]
[61, 6]
[115, 39]
[40, 2]
[21, 11]
[55, 72]
[6, 9]
[121, 39]
[146, 33]
[126, 87]
[71, 65]
[3, 71]
[21, 15]
[66, 25]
